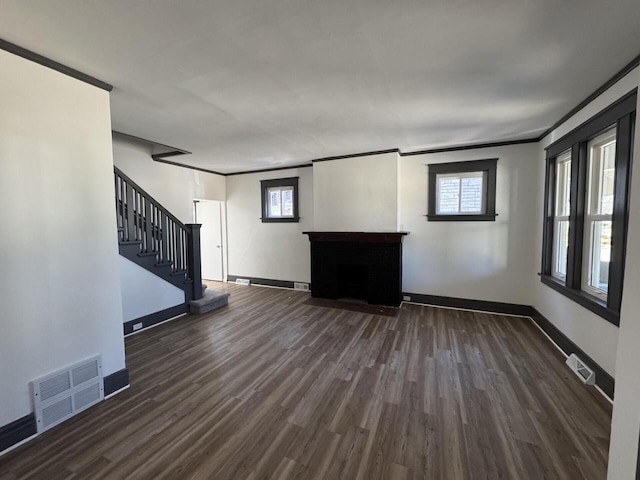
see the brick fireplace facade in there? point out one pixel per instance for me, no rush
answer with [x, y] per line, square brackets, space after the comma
[357, 265]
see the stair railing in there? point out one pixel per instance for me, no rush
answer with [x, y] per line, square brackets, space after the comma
[141, 219]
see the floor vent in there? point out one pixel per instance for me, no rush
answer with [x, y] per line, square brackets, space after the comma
[65, 393]
[583, 372]
[301, 286]
[242, 281]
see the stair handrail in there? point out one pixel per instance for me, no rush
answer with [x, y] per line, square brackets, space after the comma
[144, 193]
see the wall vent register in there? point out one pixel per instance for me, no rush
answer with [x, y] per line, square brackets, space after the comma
[67, 392]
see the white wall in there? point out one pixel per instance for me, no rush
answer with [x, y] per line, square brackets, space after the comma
[356, 194]
[472, 260]
[174, 187]
[596, 336]
[626, 408]
[277, 251]
[143, 292]
[60, 292]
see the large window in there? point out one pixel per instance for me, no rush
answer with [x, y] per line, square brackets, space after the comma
[280, 200]
[585, 230]
[462, 190]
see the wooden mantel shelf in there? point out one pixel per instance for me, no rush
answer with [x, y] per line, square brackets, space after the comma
[361, 237]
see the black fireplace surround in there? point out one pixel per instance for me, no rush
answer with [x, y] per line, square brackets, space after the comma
[357, 265]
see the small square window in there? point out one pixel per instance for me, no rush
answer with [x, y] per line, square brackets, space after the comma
[280, 200]
[462, 190]
[460, 193]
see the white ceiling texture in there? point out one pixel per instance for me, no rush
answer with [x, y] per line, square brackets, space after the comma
[250, 84]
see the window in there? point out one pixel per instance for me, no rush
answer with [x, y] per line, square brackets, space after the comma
[596, 256]
[280, 200]
[561, 219]
[462, 190]
[586, 205]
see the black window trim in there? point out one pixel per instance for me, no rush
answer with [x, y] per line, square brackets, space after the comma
[279, 182]
[621, 114]
[487, 165]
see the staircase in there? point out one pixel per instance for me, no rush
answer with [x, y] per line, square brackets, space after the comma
[150, 236]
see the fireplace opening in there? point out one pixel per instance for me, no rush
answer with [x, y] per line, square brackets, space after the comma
[353, 282]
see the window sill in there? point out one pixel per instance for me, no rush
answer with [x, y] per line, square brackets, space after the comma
[281, 220]
[589, 302]
[484, 217]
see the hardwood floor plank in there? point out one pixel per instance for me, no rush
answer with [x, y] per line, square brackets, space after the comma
[272, 387]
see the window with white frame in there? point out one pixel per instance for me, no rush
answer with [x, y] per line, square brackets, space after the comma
[601, 170]
[460, 193]
[561, 219]
[462, 190]
[280, 200]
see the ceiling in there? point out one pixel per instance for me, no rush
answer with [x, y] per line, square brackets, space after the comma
[249, 84]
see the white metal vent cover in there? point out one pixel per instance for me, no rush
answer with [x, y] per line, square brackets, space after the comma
[583, 372]
[69, 391]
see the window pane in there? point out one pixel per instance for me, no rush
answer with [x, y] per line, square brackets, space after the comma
[599, 255]
[287, 202]
[602, 164]
[563, 184]
[471, 194]
[448, 195]
[275, 209]
[561, 222]
[560, 248]
[460, 193]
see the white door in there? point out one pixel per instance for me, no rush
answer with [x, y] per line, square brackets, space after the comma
[208, 213]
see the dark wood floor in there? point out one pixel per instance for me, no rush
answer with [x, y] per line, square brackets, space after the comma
[272, 388]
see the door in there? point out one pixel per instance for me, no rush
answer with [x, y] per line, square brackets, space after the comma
[208, 213]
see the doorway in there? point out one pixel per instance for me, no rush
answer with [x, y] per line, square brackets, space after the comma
[209, 213]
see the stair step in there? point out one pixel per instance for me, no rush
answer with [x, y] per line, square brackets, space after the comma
[148, 254]
[179, 272]
[211, 300]
[164, 264]
[130, 242]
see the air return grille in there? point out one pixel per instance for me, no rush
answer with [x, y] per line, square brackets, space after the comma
[56, 412]
[64, 393]
[54, 385]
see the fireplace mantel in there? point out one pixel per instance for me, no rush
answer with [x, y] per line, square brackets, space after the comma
[357, 237]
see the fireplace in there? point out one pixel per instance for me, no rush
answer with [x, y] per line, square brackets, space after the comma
[357, 265]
